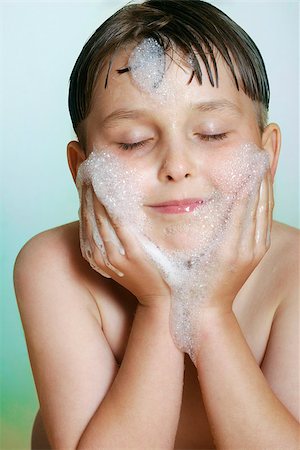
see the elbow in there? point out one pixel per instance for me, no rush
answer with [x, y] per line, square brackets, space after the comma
[41, 440]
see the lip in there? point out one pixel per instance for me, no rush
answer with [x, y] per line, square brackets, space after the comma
[178, 206]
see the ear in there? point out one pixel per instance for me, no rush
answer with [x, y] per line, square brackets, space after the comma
[271, 142]
[76, 156]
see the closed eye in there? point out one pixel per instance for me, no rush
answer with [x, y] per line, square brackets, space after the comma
[212, 137]
[204, 137]
[131, 146]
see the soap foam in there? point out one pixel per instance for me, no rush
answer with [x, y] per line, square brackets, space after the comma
[147, 64]
[189, 267]
[117, 190]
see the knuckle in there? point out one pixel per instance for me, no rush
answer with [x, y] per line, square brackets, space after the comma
[99, 222]
[114, 259]
[88, 253]
[133, 254]
[117, 226]
[260, 252]
[84, 220]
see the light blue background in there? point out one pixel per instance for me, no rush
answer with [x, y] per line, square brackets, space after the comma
[40, 42]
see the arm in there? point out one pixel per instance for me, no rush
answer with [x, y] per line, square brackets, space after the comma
[86, 402]
[243, 410]
[143, 404]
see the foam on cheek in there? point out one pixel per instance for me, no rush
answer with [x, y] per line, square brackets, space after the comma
[243, 171]
[117, 189]
[188, 268]
[232, 179]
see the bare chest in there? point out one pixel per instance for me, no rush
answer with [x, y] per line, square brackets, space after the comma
[255, 319]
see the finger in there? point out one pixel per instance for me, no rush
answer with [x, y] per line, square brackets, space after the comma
[86, 233]
[80, 211]
[118, 236]
[247, 242]
[262, 214]
[84, 225]
[110, 252]
[271, 207]
[101, 236]
[129, 239]
[95, 253]
[236, 221]
[104, 220]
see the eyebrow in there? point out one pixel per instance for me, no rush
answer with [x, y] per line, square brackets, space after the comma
[217, 105]
[123, 113]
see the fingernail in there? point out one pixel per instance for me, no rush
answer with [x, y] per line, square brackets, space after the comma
[113, 269]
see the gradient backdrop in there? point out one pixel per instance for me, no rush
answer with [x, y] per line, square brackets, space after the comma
[39, 44]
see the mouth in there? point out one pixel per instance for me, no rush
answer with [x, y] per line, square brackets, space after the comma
[177, 206]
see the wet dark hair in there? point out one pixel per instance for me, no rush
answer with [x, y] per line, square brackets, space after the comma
[193, 27]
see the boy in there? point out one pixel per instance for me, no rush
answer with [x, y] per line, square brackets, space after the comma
[107, 370]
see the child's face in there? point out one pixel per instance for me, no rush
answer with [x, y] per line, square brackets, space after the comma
[180, 143]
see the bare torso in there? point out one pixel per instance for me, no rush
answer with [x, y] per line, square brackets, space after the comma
[255, 307]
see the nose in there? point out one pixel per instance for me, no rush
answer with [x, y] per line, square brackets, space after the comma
[176, 166]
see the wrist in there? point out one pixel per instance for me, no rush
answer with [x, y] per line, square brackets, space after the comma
[155, 307]
[154, 302]
[214, 317]
[212, 320]
[214, 327]
[157, 319]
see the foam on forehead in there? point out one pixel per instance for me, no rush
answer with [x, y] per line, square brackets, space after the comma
[147, 64]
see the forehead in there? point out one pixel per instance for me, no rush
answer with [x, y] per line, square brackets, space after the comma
[116, 87]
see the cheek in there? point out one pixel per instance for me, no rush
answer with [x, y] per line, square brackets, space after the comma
[245, 165]
[227, 176]
[117, 186]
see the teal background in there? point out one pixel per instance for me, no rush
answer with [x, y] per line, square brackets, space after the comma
[39, 43]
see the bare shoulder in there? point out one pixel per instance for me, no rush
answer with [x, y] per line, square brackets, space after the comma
[54, 245]
[286, 236]
[50, 270]
[54, 256]
[281, 360]
[284, 254]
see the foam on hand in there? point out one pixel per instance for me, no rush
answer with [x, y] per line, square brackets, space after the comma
[117, 190]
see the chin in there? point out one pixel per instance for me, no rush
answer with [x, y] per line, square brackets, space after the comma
[183, 236]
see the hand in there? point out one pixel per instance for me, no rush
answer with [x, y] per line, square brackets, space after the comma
[246, 240]
[115, 252]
